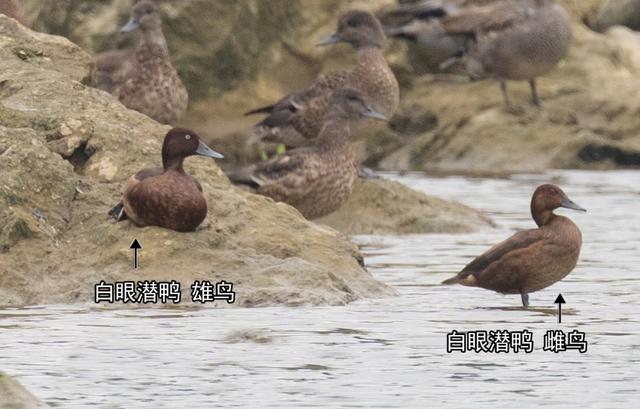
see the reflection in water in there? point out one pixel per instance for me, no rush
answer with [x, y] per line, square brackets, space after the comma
[377, 353]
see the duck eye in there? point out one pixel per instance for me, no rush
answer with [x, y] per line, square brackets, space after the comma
[187, 137]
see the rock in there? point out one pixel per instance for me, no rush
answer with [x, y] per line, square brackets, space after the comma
[66, 150]
[617, 13]
[234, 56]
[14, 396]
[381, 206]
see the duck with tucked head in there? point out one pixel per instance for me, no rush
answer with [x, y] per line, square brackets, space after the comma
[316, 179]
[371, 75]
[143, 78]
[532, 259]
[168, 196]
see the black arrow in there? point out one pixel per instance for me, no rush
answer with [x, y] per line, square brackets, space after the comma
[559, 301]
[135, 246]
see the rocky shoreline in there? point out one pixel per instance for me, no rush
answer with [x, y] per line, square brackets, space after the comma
[66, 150]
[15, 396]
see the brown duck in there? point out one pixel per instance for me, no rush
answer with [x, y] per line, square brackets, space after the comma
[143, 78]
[533, 259]
[502, 39]
[168, 196]
[319, 178]
[305, 110]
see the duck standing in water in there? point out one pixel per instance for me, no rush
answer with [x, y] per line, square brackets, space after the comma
[143, 78]
[533, 259]
[502, 39]
[168, 196]
[316, 179]
[371, 75]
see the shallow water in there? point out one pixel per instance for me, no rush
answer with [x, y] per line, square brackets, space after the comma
[377, 353]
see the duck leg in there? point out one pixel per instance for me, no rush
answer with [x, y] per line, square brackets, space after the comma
[505, 94]
[534, 92]
[525, 299]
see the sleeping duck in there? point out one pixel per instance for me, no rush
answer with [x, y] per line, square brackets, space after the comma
[168, 196]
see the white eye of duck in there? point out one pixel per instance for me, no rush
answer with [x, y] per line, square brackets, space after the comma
[187, 137]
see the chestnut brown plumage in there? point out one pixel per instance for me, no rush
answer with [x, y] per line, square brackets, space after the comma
[143, 78]
[168, 196]
[532, 259]
[316, 179]
[298, 117]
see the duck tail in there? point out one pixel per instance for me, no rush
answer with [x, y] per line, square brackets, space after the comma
[452, 281]
[117, 213]
[399, 32]
[262, 110]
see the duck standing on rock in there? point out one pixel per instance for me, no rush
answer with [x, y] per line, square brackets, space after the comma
[305, 110]
[319, 178]
[143, 78]
[529, 260]
[509, 40]
[168, 196]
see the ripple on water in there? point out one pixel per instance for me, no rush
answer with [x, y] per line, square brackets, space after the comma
[377, 353]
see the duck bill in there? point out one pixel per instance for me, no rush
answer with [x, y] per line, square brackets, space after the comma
[204, 150]
[132, 25]
[372, 113]
[568, 204]
[332, 39]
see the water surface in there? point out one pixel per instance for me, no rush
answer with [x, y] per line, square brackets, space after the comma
[376, 353]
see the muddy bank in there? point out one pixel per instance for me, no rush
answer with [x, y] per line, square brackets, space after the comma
[14, 396]
[382, 206]
[65, 151]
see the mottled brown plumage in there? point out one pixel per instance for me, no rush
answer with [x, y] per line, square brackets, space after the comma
[143, 78]
[10, 9]
[167, 197]
[501, 39]
[316, 179]
[530, 260]
[297, 118]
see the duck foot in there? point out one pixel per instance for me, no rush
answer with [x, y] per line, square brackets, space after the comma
[525, 299]
[367, 174]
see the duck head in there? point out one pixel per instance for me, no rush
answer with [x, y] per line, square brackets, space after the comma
[546, 199]
[358, 28]
[350, 104]
[181, 143]
[145, 16]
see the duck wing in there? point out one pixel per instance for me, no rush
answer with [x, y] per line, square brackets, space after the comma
[493, 16]
[518, 241]
[112, 67]
[302, 110]
[280, 176]
[117, 212]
